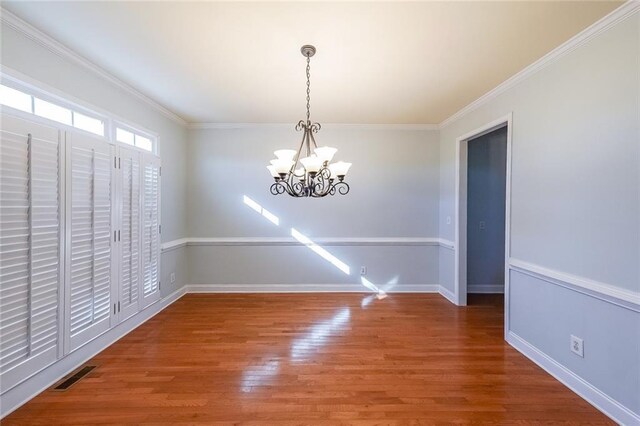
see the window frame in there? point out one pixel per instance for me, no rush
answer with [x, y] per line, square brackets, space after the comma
[56, 100]
[110, 121]
[137, 131]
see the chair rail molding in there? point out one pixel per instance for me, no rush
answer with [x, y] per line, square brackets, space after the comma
[606, 292]
[290, 241]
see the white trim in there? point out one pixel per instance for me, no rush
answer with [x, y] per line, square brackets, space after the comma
[444, 292]
[606, 292]
[41, 380]
[584, 389]
[608, 21]
[36, 88]
[305, 288]
[174, 244]
[447, 244]
[64, 52]
[362, 126]
[460, 221]
[289, 241]
[485, 289]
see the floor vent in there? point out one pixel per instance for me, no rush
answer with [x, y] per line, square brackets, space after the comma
[73, 378]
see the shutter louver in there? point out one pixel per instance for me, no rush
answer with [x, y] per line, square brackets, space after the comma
[151, 240]
[90, 246]
[130, 236]
[29, 248]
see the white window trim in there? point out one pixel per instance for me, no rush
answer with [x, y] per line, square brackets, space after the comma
[137, 132]
[30, 86]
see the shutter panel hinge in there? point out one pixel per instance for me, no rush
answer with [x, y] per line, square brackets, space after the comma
[119, 165]
[115, 160]
[159, 229]
[114, 236]
[118, 306]
[160, 171]
[114, 309]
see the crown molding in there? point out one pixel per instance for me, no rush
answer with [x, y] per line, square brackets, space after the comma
[228, 126]
[9, 19]
[608, 21]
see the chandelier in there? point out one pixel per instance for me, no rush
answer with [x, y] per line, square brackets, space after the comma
[313, 175]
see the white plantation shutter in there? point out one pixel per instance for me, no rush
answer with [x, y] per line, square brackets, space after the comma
[130, 232]
[30, 264]
[89, 249]
[151, 229]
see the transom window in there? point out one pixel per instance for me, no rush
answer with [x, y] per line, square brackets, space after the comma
[133, 138]
[26, 102]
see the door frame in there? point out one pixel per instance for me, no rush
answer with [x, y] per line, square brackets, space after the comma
[460, 279]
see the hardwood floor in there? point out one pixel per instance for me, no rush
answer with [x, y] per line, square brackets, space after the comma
[314, 359]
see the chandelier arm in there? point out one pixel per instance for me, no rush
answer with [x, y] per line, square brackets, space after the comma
[342, 188]
[317, 185]
[295, 162]
[313, 139]
[289, 189]
[298, 189]
[309, 152]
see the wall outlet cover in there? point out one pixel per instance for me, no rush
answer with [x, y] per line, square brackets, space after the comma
[577, 346]
[172, 277]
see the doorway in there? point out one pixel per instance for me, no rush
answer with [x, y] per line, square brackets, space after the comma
[486, 186]
[483, 182]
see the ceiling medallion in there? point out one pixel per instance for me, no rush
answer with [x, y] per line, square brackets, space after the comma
[313, 175]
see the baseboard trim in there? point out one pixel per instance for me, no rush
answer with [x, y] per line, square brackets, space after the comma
[444, 292]
[305, 288]
[584, 389]
[15, 397]
[485, 289]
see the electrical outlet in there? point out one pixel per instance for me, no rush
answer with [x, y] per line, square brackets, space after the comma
[483, 224]
[448, 220]
[577, 346]
[363, 270]
[172, 277]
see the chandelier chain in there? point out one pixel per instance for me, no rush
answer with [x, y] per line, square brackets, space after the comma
[308, 88]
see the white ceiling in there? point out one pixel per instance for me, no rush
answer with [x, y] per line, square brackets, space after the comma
[377, 62]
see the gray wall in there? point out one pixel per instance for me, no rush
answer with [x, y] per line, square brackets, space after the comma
[26, 56]
[486, 186]
[575, 204]
[394, 194]
[575, 199]
[575, 169]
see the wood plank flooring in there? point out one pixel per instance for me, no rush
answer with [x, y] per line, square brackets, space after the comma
[316, 359]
